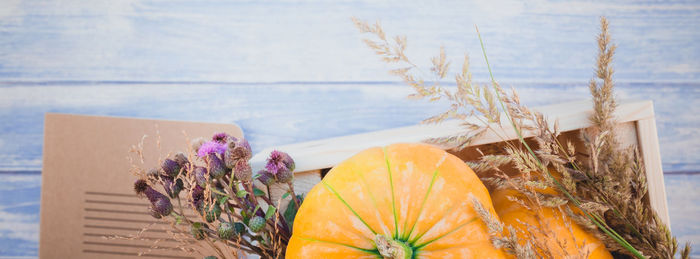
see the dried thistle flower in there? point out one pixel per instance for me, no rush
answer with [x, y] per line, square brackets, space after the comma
[237, 150]
[242, 171]
[222, 200]
[159, 202]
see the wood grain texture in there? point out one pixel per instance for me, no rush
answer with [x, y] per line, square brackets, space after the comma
[649, 145]
[325, 153]
[308, 40]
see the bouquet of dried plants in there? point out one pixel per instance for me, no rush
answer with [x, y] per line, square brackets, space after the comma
[212, 200]
[601, 187]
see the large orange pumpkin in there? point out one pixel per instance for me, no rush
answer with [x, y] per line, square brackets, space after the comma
[553, 229]
[411, 199]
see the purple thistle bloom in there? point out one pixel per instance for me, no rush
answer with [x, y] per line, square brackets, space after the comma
[211, 147]
[279, 162]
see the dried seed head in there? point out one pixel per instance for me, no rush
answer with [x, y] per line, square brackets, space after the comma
[237, 149]
[242, 171]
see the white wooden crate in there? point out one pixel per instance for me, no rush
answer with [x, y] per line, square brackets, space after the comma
[636, 127]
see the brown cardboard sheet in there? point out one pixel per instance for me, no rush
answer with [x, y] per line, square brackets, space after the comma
[87, 193]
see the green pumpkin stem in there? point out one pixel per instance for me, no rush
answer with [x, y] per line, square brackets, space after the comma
[392, 249]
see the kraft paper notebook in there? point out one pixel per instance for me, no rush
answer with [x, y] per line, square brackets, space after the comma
[87, 192]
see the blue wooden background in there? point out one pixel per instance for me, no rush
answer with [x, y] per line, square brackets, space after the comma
[291, 71]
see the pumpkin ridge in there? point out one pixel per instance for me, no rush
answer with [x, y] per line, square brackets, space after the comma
[371, 196]
[425, 199]
[446, 234]
[337, 195]
[393, 199]
[447, 212]
[405, 236]
[369, 251]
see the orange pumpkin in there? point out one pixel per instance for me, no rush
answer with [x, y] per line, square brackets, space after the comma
[407, 200]
[555, 231]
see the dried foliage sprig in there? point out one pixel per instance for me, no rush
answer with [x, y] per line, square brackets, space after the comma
[212, 200]
[606, 182]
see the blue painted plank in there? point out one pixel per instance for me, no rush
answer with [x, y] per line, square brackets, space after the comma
[315, 41]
